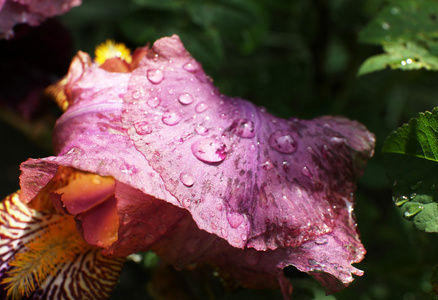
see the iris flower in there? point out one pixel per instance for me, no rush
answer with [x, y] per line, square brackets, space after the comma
[151, 156]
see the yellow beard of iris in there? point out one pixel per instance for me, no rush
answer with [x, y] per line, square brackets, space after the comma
[58, 243]
[111, 49]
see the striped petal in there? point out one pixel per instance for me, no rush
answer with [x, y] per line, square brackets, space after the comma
[42, 256]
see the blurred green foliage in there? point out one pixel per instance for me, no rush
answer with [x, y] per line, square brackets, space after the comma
[297, 58]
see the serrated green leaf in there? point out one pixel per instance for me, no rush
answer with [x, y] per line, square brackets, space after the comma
[408, 32]
[411, 155]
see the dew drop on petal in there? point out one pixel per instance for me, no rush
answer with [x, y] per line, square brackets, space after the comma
[201, 130]
[155, 75]
[283, 141]
[186, 202]
[191, 67]
[171, 118]
[153, 102]
[185, 98]
[142, 127]
[243, 128]
[306, 172]
[209, 150]
[186, 179]
[201, 107]
[268, 165]
[135, 95]
[224, 233]
[235, 219]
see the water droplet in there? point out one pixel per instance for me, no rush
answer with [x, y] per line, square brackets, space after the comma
[399, 201]
[412, 196]
[432, 187]
[187, 179]
[286, 166]
[324, 151]
[185, 98]
[153, 102]
[224, 233]
[136, 95]
[235, 219]
[412, 210]
[201, 130]
[142, 127]
[409, 61]
[155, 75]
[268, 165]
[395, 10]
[191, 67]
[243, 128]
[385, 25]
[403, 63]
[171, 118]
[219, 207]
[306, 172]
[201, 107]
[243, 237]
[283, 141]
[416, 185]
[321, 240]
[209, 150]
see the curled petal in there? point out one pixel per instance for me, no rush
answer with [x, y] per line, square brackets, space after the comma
[30, 12]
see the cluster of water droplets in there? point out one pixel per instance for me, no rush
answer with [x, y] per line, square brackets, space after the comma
[411, 209]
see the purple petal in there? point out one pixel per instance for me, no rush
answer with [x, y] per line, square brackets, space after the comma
[256, 180]
[31, 12]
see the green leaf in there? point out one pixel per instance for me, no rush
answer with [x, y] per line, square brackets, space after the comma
[411, 155]
[408, 33]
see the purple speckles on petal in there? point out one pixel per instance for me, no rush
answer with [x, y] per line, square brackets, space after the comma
[185, 98]
[243, 128]
[209, 150]
[201, 107]
[155, 75]
[283, 141]
[171, 118]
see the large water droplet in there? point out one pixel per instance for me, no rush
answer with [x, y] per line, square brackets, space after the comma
[187, 179]
[283, 141]
[235, 219]
[412, 210]
[201, 130]
[153, 102]
[243, 128]
[201, 107]
[209, 150]
[142, 127]
[155, 75]
[171, 118]
[185, 98]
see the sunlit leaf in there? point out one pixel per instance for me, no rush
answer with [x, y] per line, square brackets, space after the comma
[412, 160]
[408, 32]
